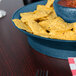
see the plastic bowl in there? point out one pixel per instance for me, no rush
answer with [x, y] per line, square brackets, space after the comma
[50, 47]
[67, 13]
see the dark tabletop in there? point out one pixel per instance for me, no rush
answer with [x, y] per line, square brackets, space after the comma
[17, 58]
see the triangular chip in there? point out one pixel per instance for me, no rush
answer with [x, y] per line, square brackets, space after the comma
[21, 25]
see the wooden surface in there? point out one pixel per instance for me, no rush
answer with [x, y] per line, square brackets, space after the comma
[17, 58]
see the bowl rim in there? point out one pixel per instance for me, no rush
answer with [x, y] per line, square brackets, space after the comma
[56, 3]
[57, 40]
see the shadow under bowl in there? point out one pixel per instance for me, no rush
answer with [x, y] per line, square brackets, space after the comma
[50, 47]
[67, 13]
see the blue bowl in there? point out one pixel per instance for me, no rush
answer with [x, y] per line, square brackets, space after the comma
[50, 47]
[68, 14]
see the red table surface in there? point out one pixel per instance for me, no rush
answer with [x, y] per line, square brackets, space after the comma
[17, 58]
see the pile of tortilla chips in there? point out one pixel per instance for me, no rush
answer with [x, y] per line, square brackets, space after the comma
[44, 22]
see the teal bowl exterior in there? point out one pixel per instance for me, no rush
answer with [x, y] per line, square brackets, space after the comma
[68, 14]
[50, 47]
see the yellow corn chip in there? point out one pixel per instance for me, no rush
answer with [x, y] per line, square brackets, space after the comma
[26, 14]
[54, 24]
[70, 35]
[21, 25]
[74, 28]
[38, 14]
[57, 35]
[36, 28]
[49, 3]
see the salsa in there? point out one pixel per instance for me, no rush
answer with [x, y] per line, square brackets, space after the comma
[68, 3]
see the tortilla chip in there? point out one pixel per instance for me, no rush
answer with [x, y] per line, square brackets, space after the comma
[70, 35]
[54, 24]
[49, 3]
[57, 35]
[36, 28]
[26, 14]
[74, 28]
[38, 14]
[21, 25]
